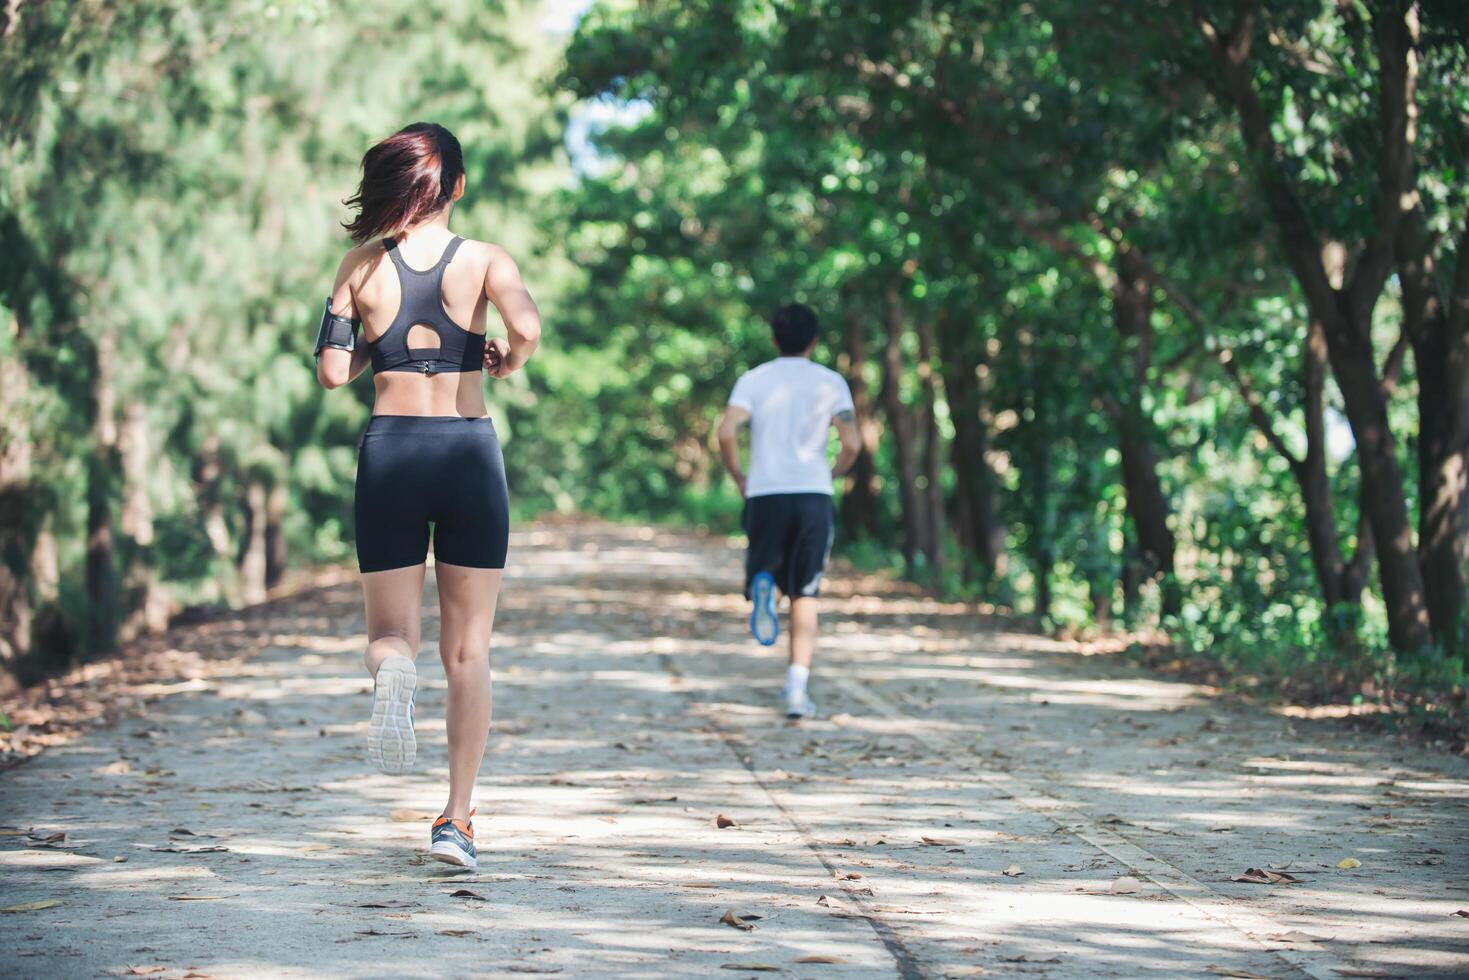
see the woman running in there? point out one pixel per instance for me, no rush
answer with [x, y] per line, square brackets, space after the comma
[429, 458]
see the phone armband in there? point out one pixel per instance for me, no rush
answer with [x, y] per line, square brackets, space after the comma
[336, 332]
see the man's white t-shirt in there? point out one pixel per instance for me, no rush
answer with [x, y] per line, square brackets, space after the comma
[791, 402]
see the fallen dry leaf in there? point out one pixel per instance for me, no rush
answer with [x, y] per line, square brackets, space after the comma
[1014, 871]
[466, 893]
[456, 932]
[729, 918]
[316, 847]
[752, 967]
[1229, 971]
[853, 876]
[197, 898]
[32, 906]
[410, 816]
[1347, 864]
[528, 968]
[956, 972]
[1461, 913]
[1264, 876]
[143, 971]
[722, 822]
[1296, 936]
[940, 842]
[820, 959]
[13, 832]
[1126, 885]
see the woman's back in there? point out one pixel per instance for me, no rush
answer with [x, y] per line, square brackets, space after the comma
[423, 386]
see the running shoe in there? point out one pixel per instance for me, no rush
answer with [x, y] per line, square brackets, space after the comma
[764, 623]
[452, 841]
[799, 705]
[390, 740]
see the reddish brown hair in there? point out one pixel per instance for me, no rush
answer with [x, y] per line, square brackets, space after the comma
[406, 177]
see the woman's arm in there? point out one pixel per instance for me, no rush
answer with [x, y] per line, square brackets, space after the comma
[517, 309]
[334, 367]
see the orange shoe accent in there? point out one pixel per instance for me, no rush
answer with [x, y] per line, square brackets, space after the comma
[463, 825]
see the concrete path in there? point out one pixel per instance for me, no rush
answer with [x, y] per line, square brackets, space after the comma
[974, 803]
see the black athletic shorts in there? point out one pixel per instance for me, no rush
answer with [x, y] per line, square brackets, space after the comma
[444, 471]
[790, 537]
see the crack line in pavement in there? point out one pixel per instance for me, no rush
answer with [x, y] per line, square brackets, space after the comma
[903, 957]
[1318, 964]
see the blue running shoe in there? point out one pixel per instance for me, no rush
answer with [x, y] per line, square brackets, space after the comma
[452, 841]
[764, 623]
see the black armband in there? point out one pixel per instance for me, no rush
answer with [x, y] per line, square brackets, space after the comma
[336, 332]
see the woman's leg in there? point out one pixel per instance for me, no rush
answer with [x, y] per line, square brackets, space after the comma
[467, 600]
[394, 601]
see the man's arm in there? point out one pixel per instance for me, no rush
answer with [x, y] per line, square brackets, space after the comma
[846, 423]
[729, 442]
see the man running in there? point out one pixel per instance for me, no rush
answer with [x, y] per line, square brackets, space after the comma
[790, 404]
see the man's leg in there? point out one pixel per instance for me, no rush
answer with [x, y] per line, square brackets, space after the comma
[810, 550]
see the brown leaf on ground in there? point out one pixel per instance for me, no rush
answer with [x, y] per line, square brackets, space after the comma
[729, 918]
[722, 822]
[1014, 871]
[940, 842]
[32, 906]
[1297, 936]
[456, 932]
[752, 967]
[1461, 913]
[466, 893]
[953, 973]
[820, 959]
[410, 816]
[198, 898]
[1264, 876]
[528, 968]
[143, 971]
[853, 876]
[1126, 885]
[1229, 971]
[1347, 864]
[119, 768]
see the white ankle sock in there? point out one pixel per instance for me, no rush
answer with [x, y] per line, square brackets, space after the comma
[796, 677]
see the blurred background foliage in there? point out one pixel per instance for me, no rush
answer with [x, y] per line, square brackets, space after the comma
[1156, 313]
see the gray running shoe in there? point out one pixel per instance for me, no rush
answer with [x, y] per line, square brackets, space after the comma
[452, 841]
[799, 705]
[390, 740]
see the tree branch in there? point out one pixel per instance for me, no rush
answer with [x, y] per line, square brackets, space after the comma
[1303, 250]
[1395, 33]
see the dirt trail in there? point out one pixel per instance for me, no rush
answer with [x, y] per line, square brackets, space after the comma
[974, 802]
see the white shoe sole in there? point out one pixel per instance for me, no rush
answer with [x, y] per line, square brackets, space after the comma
[390, 740]
[451, 854]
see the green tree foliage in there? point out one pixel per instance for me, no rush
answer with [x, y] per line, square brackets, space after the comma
[171, 178]
[1152, 304]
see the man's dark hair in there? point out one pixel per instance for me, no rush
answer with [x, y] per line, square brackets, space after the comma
[794, 326]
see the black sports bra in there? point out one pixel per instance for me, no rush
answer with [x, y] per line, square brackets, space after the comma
[459, 350]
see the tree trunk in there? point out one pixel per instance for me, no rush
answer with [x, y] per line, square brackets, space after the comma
[1147, 505]
[965, 376]
[901, 428]
[15, 547]
[933, 456]
[102, 469]
[859, 498]
[275, 533]
[253, 550]
[1403, 592]
[1439, 333]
